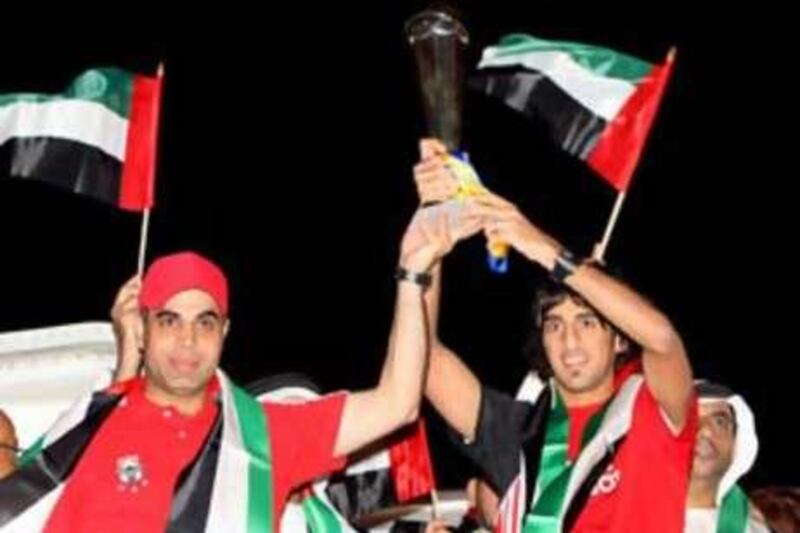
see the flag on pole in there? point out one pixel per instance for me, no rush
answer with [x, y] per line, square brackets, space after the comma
[97, 138]
[598, 102]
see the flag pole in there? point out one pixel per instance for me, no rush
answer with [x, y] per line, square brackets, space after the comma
[599, 251]
[143, 241]
[435, 514]
[600, 248]
[145, 228]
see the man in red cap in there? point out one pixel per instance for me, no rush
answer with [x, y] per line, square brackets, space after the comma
[181, 448]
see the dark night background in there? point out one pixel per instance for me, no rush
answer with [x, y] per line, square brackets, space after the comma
[287, 141]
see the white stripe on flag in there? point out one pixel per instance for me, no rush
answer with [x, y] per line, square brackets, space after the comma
[509, 519]
[378, 461]
[68, 420]
[603, 96]
[229, 500]
[75, 120]
[512, 507]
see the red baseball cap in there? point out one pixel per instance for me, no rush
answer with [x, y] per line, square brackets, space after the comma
[174, 273]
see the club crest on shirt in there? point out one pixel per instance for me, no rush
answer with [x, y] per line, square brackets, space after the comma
[130, 473]
[608, 482]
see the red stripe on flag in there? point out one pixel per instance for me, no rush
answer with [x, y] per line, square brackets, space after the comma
[617, 153]
[411, 463]
[138, 172]
[515, 522]
[508, 519]
[500, 527]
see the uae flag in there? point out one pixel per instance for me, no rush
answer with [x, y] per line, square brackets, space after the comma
[394, 471]
[412, 470]
[598, 103]
[97, 138]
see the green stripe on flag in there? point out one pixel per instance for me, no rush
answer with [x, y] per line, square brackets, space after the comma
[110, 87]
[254, 431]
[319, 516]
[555, 468]
[733, 512]
[599, 60]
[31, 452]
